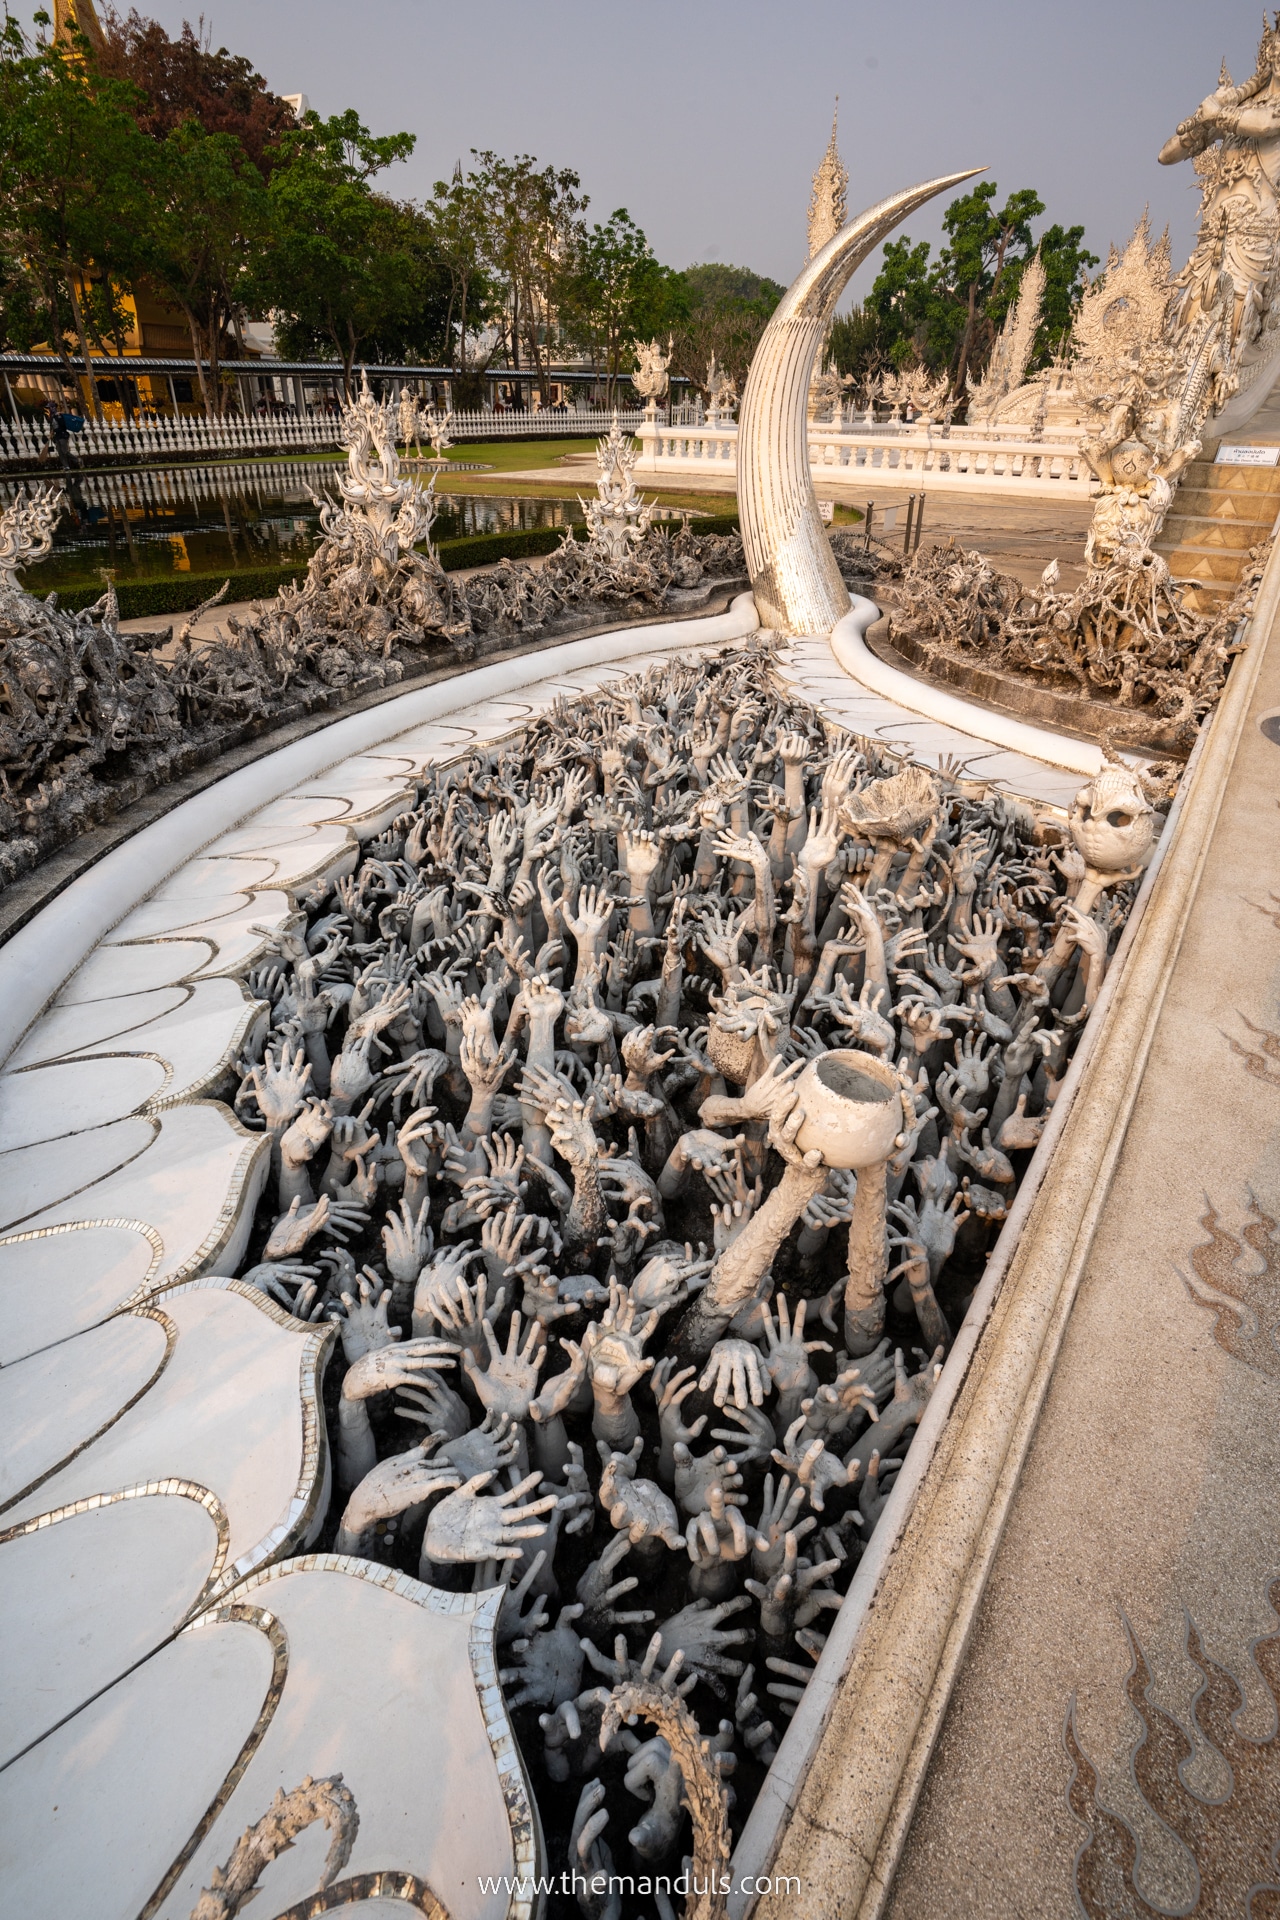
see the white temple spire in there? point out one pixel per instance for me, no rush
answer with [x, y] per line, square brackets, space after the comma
[828, 208]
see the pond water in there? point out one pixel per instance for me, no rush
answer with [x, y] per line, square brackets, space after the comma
[201, 519]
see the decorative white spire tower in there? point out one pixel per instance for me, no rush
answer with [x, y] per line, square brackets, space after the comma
[828, 207]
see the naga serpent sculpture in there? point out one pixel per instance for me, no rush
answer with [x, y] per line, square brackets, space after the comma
[794, 577]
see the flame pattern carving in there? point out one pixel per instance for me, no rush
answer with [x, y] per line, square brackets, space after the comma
[1234, 1841]
[1251, 1334]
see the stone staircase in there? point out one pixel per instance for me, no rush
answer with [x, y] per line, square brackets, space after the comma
[1218, 513]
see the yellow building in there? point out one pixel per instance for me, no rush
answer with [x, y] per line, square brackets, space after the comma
[155, 329]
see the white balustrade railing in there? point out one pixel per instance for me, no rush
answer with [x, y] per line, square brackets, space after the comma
[169, 437]
[911, 453]
[898, 455]
[551, 421]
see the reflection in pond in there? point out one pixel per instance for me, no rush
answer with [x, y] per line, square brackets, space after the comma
[200, 519]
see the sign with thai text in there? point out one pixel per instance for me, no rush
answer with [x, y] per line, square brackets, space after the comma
[1247, 457]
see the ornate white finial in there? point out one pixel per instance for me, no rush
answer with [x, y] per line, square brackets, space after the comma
[383, 515]
[617, 518]
[828, 207]
[26, 530]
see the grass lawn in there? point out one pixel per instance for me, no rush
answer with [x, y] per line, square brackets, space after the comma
[579, 487]
[511, 456]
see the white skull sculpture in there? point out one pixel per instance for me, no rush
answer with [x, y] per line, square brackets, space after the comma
[1112, 822]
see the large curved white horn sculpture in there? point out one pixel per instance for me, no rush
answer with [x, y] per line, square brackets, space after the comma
[794, 576]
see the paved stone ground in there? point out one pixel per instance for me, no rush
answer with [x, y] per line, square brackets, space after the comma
[1151, 1494]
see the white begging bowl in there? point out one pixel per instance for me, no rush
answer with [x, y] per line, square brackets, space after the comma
[852, 1109]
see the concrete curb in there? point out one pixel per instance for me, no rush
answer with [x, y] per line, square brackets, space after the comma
[949, 709]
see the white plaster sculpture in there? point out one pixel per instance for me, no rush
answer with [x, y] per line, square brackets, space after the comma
[1148, 383]
[438, 424]
[1233, 140]
[290, 1814]
[617, 519]
[409, 420]
[94, 717]
[653, 1036]
[794, 575]
[685, 1770]
[1112, 823]
[651, 377]
[916, 388]
[1123, 636]
[1006, 370]
[26, 532]
[826, 394]
[1154, 359]
[368, 553]
[722, 394]
[828, 200]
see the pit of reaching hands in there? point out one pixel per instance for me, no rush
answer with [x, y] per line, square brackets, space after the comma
[643, 1109]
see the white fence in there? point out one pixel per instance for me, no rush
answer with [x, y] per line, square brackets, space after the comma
[551, 421]
[170, 438]
[901, 455]
[897, 455]
[189, 435]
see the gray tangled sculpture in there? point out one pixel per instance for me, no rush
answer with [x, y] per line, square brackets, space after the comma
[1124, 637]
[643, 1108]
[91, 717]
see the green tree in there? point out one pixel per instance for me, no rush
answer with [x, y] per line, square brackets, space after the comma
[726, 311]
[73, 185]
[533, 238]
[901, 303]
[187, 79]
[946, 313]
[416, 326]
[975, 270]
[27, 319]
[854, 343]
[459, 216]
[207, 218]
[621, 293]
[1066, 262]
[334, 265]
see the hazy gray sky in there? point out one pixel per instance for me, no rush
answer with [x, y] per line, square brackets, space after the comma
[706, 118]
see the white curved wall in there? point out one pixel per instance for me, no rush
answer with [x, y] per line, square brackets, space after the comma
[848, 643]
